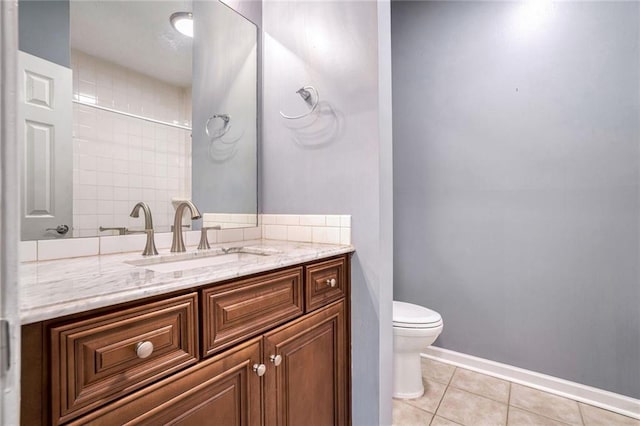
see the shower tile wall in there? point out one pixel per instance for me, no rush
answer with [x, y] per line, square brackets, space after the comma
[118, 160]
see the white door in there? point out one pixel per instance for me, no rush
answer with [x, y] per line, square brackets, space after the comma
[44, 130]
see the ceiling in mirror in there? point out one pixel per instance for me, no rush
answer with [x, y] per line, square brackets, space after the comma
[136, 35]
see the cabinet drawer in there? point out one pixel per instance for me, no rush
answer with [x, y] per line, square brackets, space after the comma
[325, 283]
[97, 360]
[222, 390]
[236, 311]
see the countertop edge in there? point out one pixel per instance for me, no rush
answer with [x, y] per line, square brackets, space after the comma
[45, 312]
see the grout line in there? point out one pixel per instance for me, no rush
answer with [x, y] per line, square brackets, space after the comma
[480, 394]
[540, 415]
[508, 404]
[444, 393]
[580, 411]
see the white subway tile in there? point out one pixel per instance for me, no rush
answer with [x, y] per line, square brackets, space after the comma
[28, 251]
[253, 233]
[70, 247]
[81, 207]
[212, 235]
[269, 219]
[230, 235]
[322, 234]
[122, 243]
[191, 238]
[345, 220]
[345, 235]
[312, 220]
[299, 233]
[163, 240]
[333, 220]
[287, 219]
[275, 232]
[86, 192]
[87, 221]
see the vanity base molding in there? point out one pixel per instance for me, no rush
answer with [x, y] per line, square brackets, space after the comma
[269, 349]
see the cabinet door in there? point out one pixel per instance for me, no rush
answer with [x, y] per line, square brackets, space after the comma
[223, 390]
[309, 387]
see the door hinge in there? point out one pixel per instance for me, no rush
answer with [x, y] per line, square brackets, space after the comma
[5, 347]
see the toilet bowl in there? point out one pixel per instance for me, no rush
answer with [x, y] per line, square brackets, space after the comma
[414, 328]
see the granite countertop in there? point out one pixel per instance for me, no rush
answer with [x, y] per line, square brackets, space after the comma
[56, 288]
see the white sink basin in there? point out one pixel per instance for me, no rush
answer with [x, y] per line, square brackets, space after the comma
[186, 261]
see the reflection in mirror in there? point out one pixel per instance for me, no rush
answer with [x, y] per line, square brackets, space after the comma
[130, 111]
[225, 116]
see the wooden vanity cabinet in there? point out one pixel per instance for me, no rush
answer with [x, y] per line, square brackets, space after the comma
[272, 364]
[310, 385]
[222, 390]
[236, 311]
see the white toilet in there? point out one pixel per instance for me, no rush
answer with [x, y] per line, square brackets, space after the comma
[414, 328]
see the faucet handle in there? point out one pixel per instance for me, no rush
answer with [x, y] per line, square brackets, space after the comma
[204, 237]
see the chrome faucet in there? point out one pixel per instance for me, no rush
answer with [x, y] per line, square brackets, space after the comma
[177, 244]
[150, 247]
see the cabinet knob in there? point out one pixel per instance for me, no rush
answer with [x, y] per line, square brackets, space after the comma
[276, 359]
[332, 282]
[260, 369]
[144, 349]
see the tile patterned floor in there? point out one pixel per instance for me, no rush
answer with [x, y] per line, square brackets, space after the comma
[455, 396]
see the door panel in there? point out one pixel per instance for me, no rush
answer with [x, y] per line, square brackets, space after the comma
[309, 386]
[44, 128]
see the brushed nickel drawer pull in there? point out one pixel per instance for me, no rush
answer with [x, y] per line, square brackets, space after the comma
[331, 282]
[260, 369]
[144, 349]
[276, 359]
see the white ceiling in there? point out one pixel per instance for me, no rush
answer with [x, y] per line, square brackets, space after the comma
[134, 34]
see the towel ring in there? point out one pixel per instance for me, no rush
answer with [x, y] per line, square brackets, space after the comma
[306, 96]
[225, 128]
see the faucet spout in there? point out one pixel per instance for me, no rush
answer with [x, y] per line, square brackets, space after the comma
[150, 246]
[177, 243]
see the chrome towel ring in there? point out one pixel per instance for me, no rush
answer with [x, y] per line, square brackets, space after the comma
[305, 94]
[226, 119]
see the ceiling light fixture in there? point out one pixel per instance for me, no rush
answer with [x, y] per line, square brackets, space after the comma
[182, 22]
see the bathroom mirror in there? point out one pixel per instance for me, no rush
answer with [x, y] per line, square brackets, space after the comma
[125, 134]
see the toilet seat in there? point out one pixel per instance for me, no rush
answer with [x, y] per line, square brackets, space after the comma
[408, 315]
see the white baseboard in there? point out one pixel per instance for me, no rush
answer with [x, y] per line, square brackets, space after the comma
[589, 395]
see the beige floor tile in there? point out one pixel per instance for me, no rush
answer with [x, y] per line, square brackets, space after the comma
[518, 417]
[470, 410]
[481, 384]
[597, 416]
[437, 371]
[441, 421]
[408, 415]
[433, 392]
[546, 404]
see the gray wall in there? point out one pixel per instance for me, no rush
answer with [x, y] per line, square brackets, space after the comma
[516, 182]
[335, 162]
[43, 28]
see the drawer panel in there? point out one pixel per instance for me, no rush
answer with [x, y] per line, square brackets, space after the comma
[236, 311]
[220, 391]
[325, 283]
[95, 361]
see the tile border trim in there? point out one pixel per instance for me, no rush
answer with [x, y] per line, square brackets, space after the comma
[600, 398]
